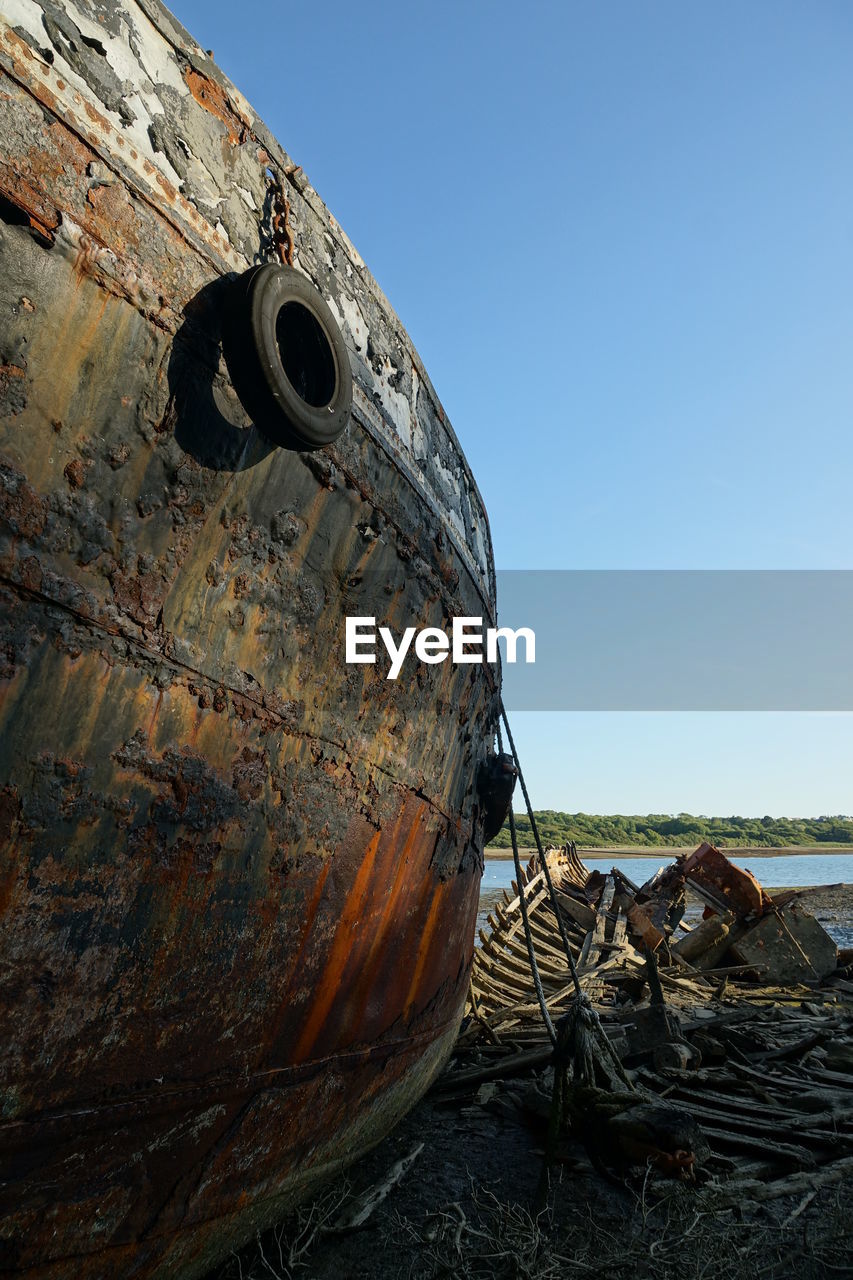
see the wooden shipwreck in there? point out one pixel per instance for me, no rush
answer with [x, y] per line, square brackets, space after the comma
[238, 878]
[742, 1022]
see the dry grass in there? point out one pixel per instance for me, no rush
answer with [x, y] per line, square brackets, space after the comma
[493, 1239]
[661, 1231]
[284, 1252]
[675, 1233]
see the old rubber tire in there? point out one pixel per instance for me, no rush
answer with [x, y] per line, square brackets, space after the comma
[287, 359]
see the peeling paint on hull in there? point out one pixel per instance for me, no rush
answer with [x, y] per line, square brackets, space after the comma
[238, 879]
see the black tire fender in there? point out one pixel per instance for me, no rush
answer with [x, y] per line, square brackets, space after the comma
[287, 358]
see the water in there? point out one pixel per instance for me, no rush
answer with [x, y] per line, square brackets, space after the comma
[796, 871]
[792, 872]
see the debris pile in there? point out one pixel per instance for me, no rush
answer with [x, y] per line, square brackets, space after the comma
[743, 1022]
[746, 941]
[742, 925]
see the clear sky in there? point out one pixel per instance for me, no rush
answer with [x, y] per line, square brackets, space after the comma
[620, 236]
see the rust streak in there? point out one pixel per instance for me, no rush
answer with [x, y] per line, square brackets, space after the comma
[338, 952]
[308, 925]
[389, 914]
[436, 913]
[215, 100]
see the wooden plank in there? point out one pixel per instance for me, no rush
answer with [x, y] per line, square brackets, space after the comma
[577, 911]
[531, 886]
[513, 1064]
[514, 958]
[500, 991]
[517, 952]
[735, 1193]
[543, 945]
[743, 1142]
[585, 950]
[758, 1127]
[544, 927]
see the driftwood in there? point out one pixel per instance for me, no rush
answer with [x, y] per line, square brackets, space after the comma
[809, 1181]
[361, 1208]
[513, 1064]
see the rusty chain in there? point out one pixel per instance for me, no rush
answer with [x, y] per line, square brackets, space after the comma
[282, 235]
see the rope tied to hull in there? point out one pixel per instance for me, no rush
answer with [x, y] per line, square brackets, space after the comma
[578, 1033]
[525, 918]
[543, 862]
[582, 1055]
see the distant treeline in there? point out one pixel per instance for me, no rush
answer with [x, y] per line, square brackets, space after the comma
[592, 829]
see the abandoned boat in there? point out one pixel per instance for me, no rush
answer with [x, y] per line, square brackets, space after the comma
[238, 878]
[732, 1033]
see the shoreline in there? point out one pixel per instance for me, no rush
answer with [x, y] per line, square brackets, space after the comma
[599, 853]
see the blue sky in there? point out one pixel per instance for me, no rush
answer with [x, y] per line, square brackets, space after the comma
[621, 238]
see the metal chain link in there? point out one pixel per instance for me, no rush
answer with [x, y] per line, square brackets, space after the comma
[282, 235]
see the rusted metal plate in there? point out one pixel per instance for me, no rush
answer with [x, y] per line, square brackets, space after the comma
[787, 946]
[238, 879]
[730, 887]
[640, 921]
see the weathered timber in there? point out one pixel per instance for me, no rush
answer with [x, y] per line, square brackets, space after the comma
[766, 1093]
[705, 935]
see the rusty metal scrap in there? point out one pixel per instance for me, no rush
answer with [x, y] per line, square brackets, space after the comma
[708, 870]
[789, 944]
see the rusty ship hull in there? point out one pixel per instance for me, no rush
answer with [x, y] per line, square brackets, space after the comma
[238, 878]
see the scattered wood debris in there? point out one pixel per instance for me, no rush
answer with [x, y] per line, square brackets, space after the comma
[744, 1021]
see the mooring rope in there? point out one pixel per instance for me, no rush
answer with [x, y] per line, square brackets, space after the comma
[522, 898]
[580, 1027]
[543, 862]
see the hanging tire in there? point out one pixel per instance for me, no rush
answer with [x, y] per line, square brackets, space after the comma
[287, 358]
